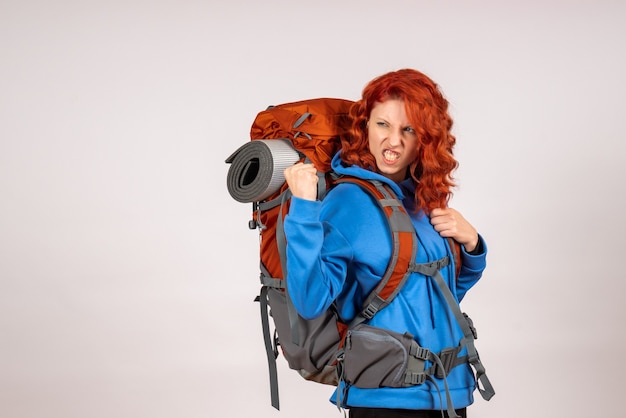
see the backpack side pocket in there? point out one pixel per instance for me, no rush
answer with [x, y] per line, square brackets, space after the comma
[376, 357]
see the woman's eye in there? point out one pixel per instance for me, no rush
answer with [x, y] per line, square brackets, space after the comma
[381, 124]
[409, 130]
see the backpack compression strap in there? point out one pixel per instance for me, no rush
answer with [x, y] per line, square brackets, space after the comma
[267, 282]
[271, 347]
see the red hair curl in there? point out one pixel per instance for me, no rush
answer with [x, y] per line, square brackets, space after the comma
[427, 111]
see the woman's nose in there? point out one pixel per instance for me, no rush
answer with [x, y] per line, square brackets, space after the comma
[395, 137]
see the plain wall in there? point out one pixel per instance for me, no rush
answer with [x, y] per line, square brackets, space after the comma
[128, 273]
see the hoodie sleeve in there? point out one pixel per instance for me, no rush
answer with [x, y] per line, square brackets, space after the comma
[472, 268]
[317, 258]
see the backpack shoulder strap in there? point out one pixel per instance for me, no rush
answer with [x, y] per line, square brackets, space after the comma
[404, 246]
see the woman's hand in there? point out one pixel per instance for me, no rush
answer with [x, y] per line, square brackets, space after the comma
[302, 180]
[451, 224]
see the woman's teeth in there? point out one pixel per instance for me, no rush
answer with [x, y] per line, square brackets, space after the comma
[390, 155]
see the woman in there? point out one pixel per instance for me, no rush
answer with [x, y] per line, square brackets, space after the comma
[338, 248]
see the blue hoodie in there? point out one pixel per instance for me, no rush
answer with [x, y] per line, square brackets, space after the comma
[339, 248]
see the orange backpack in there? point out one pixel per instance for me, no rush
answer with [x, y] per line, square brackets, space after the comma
[282, 135]
[311, 130]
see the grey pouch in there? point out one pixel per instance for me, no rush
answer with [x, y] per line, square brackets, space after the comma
[376, 357]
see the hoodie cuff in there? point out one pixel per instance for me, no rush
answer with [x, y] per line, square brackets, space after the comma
[479, 249]
[476, 258]
[304, 210]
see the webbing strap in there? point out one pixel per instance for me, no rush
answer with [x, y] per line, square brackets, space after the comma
[451, 411]
[272, 282]
[268, 281]
[416, 374]
[301, 120]
[270, 350]
[269, 204]
[321, 185]
[486, 390]
[281, 243]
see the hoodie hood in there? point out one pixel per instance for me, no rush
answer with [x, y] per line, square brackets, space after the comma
[352, 170]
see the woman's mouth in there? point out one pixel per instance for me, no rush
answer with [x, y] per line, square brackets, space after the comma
[391, 156]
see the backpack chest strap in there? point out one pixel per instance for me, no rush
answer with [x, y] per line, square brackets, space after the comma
[430, 268]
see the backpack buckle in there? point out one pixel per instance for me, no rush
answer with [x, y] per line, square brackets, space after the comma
[441, 263]
[419, 352]
[412, 378]
[448, 361]
[431, 268]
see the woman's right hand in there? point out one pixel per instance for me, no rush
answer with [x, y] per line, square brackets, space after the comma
[302, 180]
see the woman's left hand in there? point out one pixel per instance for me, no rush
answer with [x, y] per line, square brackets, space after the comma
[451, 224]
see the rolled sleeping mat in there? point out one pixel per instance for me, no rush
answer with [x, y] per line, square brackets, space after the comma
[256, 168]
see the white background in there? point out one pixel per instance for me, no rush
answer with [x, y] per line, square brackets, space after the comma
[128, 273]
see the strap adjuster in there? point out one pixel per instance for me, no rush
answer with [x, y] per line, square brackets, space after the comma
[419, 352]
[441, 263]
[272, 282]
[470, 323]
[448, 358]
[370, 311]
[412, 378]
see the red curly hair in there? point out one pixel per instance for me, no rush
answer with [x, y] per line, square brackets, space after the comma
[427, 111]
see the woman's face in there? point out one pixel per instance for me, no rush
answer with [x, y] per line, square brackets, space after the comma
[392, 139]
